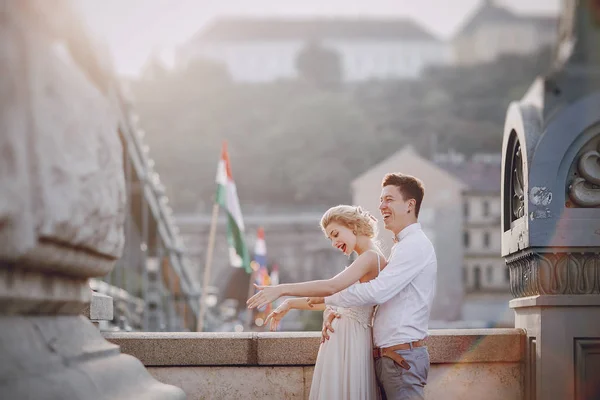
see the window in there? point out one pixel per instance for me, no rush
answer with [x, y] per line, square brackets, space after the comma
[465, 275]
[486, 240]
[477, 278]
[466, 239]
[486, 208]
[490, 274]
[466, 209]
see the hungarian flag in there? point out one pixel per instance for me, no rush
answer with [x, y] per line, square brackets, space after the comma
[227, 198]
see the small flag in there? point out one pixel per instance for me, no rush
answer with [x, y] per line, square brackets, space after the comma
[260, 248]
[262, 277]
[227, 198]
[275, 275]
[275, 281]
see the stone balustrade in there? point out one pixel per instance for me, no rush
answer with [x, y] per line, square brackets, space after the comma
[465, 364]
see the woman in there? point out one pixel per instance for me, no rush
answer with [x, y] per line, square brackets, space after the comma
[344, 367]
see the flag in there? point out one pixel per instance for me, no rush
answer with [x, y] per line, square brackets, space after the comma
[262, 277]
[275, 275]
[275, 281]
[227, 198]
[260, 248]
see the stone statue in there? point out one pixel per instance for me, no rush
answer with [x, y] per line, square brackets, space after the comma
[62, 209]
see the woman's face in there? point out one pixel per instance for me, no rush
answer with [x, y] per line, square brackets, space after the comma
[342, 237]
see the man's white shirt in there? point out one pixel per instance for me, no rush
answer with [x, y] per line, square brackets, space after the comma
[404, 290]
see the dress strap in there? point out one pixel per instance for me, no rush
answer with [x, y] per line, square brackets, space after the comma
[377, 306]
[378, 261]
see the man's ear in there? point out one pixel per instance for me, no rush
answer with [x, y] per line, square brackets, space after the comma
[412, 203]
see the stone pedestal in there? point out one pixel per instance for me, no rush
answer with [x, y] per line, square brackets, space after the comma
[551, 214]
[62, 207]
[563, 346]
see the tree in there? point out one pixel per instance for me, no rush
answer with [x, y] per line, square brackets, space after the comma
[319, 65]
[295, 145]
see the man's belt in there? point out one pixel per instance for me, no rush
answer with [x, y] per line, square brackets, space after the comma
[390, 352]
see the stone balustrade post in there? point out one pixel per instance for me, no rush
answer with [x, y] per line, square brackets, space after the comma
[100, 308]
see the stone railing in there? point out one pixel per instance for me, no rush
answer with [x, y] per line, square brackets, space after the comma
[465, 364]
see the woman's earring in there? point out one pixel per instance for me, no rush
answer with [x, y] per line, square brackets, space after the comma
[354, 233]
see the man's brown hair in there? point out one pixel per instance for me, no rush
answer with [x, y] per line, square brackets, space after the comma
[409, 187]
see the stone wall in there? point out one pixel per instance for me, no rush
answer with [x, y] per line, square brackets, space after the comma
[466, 364]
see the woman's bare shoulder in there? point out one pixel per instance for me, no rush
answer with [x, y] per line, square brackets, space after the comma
[375, 259]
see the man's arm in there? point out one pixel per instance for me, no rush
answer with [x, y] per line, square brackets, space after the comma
[404, 265]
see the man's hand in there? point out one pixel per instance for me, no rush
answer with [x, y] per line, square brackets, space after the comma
[266, 295]
[315, 300]
[328, 316]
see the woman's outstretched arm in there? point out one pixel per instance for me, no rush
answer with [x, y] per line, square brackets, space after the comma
[359, 268]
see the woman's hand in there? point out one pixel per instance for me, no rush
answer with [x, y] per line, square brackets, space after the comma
[277, 314]
[266, 295]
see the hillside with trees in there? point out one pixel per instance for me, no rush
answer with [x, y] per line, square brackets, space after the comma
[298, 144]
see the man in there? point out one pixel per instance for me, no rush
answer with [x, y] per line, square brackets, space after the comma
[404, 290]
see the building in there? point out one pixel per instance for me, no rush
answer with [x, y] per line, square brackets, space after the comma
[493, 30]
[440, 217]
[265, 50]
[484, 274]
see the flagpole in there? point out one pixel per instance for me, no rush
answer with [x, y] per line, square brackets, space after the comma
[207, 267]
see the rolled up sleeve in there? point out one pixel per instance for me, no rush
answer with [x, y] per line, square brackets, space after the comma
[404, 265]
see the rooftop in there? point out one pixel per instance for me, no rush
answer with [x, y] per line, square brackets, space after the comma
[250, 29]
[490, 12]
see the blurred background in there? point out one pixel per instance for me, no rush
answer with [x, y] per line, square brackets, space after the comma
[316, 100]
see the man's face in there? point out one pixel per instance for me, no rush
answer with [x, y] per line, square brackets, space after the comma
[393, 208]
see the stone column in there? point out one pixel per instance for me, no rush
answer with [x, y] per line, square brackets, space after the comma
[551, 213]
[62, 207]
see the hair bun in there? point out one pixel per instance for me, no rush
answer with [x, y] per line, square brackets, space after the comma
[353, 217]
[365, 213]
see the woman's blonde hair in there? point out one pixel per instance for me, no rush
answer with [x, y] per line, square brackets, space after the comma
[361, 222]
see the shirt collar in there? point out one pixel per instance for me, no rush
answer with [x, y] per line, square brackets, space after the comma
[407, 231]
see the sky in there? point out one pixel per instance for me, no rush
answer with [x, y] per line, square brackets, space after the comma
[135, 29]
